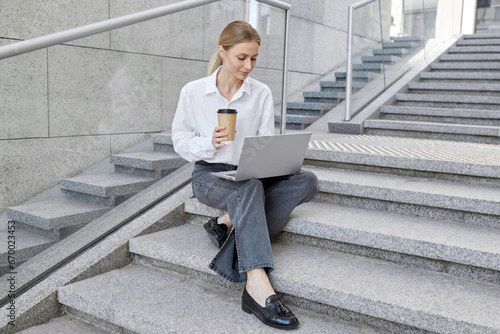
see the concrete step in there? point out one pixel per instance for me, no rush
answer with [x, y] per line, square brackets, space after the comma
[470, 57]
[386, 59]
[443, 131]
[461, 101]
[369, 67]
[361, 76]
[147, 164]
[400, 45]
[162, 142]
[297, 122]
[454, 88]
[413, 196]
[466, 66]
[25, 247]
[442, 115]
[336, 85]
[154, 301]
[467, 163]
[478, 41]
[482, 36]
[323, 97]
[419, 242]
[54, 219]
[66, 324]
[474, 49]
[407, 39]
[309, 109]
[476, 76]
[110, 189]
[383, 293]
[391, 52]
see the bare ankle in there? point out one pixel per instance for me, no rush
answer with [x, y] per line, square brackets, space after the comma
[258, 285]
[224, 219]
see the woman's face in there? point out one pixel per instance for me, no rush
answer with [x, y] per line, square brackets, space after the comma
[240, 59]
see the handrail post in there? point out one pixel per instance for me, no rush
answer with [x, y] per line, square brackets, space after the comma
[284, 87]
[348, 79]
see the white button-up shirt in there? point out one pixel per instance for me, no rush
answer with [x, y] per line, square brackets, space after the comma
[196, 118]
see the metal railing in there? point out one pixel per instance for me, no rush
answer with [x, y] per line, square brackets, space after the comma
[348, 85]
[33, 44]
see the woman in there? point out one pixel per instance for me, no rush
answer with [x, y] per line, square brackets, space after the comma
[256, 209]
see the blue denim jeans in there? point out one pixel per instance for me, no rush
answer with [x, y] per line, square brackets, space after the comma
[258, 209]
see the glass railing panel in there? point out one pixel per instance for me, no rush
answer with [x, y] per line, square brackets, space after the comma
[488, 16]
[408, 32]
[270, 23]
[406, 39]
[366, 51]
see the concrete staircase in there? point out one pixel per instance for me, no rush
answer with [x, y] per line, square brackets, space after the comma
[403, 238]
[317, 103]
[458, 98]
[84, 198]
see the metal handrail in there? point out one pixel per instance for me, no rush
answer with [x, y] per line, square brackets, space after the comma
[33, 44]
[348, 85]
[69, 35]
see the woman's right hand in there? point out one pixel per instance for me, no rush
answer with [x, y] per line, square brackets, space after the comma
[219, 136]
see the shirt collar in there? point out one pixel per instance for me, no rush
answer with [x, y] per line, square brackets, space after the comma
[211, 86]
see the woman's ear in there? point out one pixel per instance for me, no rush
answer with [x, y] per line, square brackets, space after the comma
[221, 50]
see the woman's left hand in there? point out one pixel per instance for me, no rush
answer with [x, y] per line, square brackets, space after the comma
[218, 137]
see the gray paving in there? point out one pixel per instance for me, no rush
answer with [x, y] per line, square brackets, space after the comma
[146, 300]
[57, 213]
[448, 98]
[418, 298]
[470, 41]
[461, 75]
[466, 66]
[65, 325]
[474, 49]
[454, 87]
[148, 160]
[471, 57]
[455, 196]
[445, 112]
[103, 185]
[491, 131]
[419, 236]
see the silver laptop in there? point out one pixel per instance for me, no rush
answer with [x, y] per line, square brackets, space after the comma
[268, 156]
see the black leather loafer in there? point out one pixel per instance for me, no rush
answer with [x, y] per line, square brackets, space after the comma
[216, 232]
[275, 314]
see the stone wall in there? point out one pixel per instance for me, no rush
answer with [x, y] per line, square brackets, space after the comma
[68, 107]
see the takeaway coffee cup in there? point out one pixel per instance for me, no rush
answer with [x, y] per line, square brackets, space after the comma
[227, 118]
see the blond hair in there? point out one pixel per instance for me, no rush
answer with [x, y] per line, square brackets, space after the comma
[234, 33]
